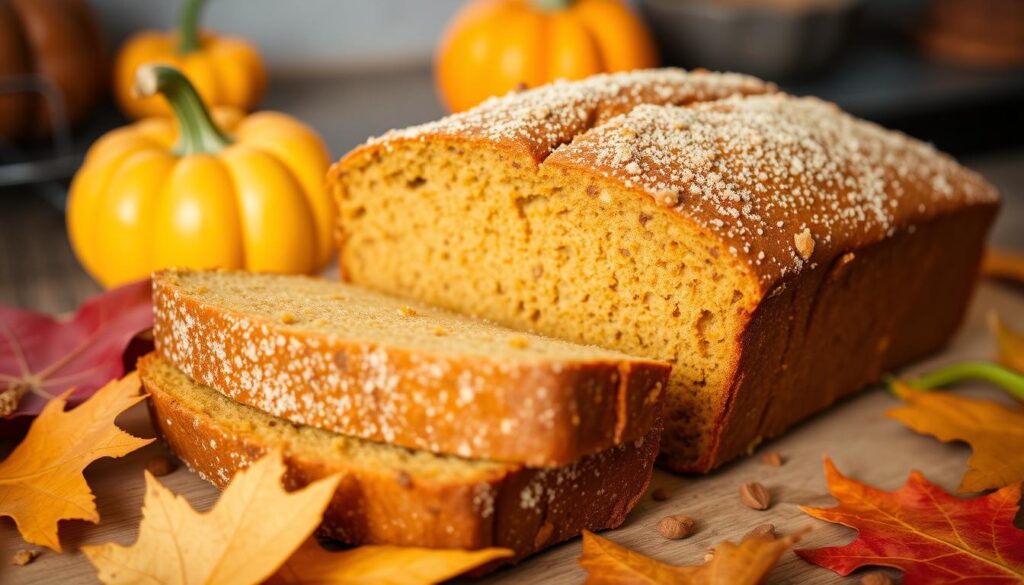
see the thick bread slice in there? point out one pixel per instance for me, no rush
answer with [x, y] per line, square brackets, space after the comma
[364, 364]
[393, 495]
[780, 253]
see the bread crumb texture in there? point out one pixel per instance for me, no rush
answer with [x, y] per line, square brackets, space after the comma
[653, 212]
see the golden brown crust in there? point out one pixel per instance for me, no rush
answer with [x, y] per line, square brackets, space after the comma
[540, 413]
[879, 307]
[503, 505]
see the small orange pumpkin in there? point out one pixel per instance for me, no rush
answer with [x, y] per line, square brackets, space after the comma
[226, 70]
[493, 46]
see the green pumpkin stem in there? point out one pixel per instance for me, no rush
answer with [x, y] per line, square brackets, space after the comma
[198, 133]
[1008, 380]
[188, 26]
[551, 5]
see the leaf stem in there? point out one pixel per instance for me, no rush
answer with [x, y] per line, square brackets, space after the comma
[1005, 378]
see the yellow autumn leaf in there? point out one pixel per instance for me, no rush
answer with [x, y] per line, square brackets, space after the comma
[746, 563]
[1004, 265]
[250, 532]
[1009, 342]
[380, 565]
[995, 433]
[41, 482]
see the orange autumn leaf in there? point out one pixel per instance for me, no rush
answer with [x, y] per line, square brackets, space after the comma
[250, 532]
[41, 482]
[1003, 265]
[746, 563]
[933, 537]
[995, 433]
[384, 565]
[1009, 342]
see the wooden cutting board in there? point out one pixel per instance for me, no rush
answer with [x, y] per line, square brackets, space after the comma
[856, 434]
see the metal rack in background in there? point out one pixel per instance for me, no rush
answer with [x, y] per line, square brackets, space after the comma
[43, 169]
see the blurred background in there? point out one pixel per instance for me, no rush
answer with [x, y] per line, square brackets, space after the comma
[949, 72]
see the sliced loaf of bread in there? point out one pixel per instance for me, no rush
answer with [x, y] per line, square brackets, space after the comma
[393, 495]
[364, 364]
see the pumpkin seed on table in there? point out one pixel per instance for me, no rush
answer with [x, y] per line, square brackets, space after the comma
[755, 496]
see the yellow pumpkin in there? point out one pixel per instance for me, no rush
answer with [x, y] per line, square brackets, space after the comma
[494, 46]
[183, 192]
[227, 71]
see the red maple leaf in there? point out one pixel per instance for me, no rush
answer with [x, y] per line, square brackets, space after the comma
[41, 355]
[930, 535]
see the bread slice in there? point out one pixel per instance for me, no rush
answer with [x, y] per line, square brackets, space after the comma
[360, 363]
[778, 252]
[393, 495]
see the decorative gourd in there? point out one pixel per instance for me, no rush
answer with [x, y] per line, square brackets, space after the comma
[227, 71]
[59, 41]
[493, 46]
[180, 191]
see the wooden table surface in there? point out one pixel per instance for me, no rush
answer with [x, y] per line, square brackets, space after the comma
[38, 270]
[863, 442]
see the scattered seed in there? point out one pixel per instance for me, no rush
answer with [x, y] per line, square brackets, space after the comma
[288, 318]
[543, 535]
[407, 311]
[804, 243]
[761, 531]
[676, 527]
[755, 496]
[24, 557]
[708, 557]
[773, 458]
[876, 579]
[659, 494]
[161, 466]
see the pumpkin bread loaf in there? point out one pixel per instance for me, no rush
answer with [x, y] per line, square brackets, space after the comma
[393, 495]
[778, 252]
[357, 362]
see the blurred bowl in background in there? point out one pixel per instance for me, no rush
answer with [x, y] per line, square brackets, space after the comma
[975, 33]
[774, 39]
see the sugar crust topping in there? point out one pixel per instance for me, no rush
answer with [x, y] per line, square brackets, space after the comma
[547, 117]
[759, 169]
[780, 179]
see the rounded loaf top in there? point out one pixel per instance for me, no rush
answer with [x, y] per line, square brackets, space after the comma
[538, 121]
[782, 182]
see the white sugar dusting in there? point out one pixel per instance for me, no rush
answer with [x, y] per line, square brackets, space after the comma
[764, 171]
[756, 167]
[549, 116]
